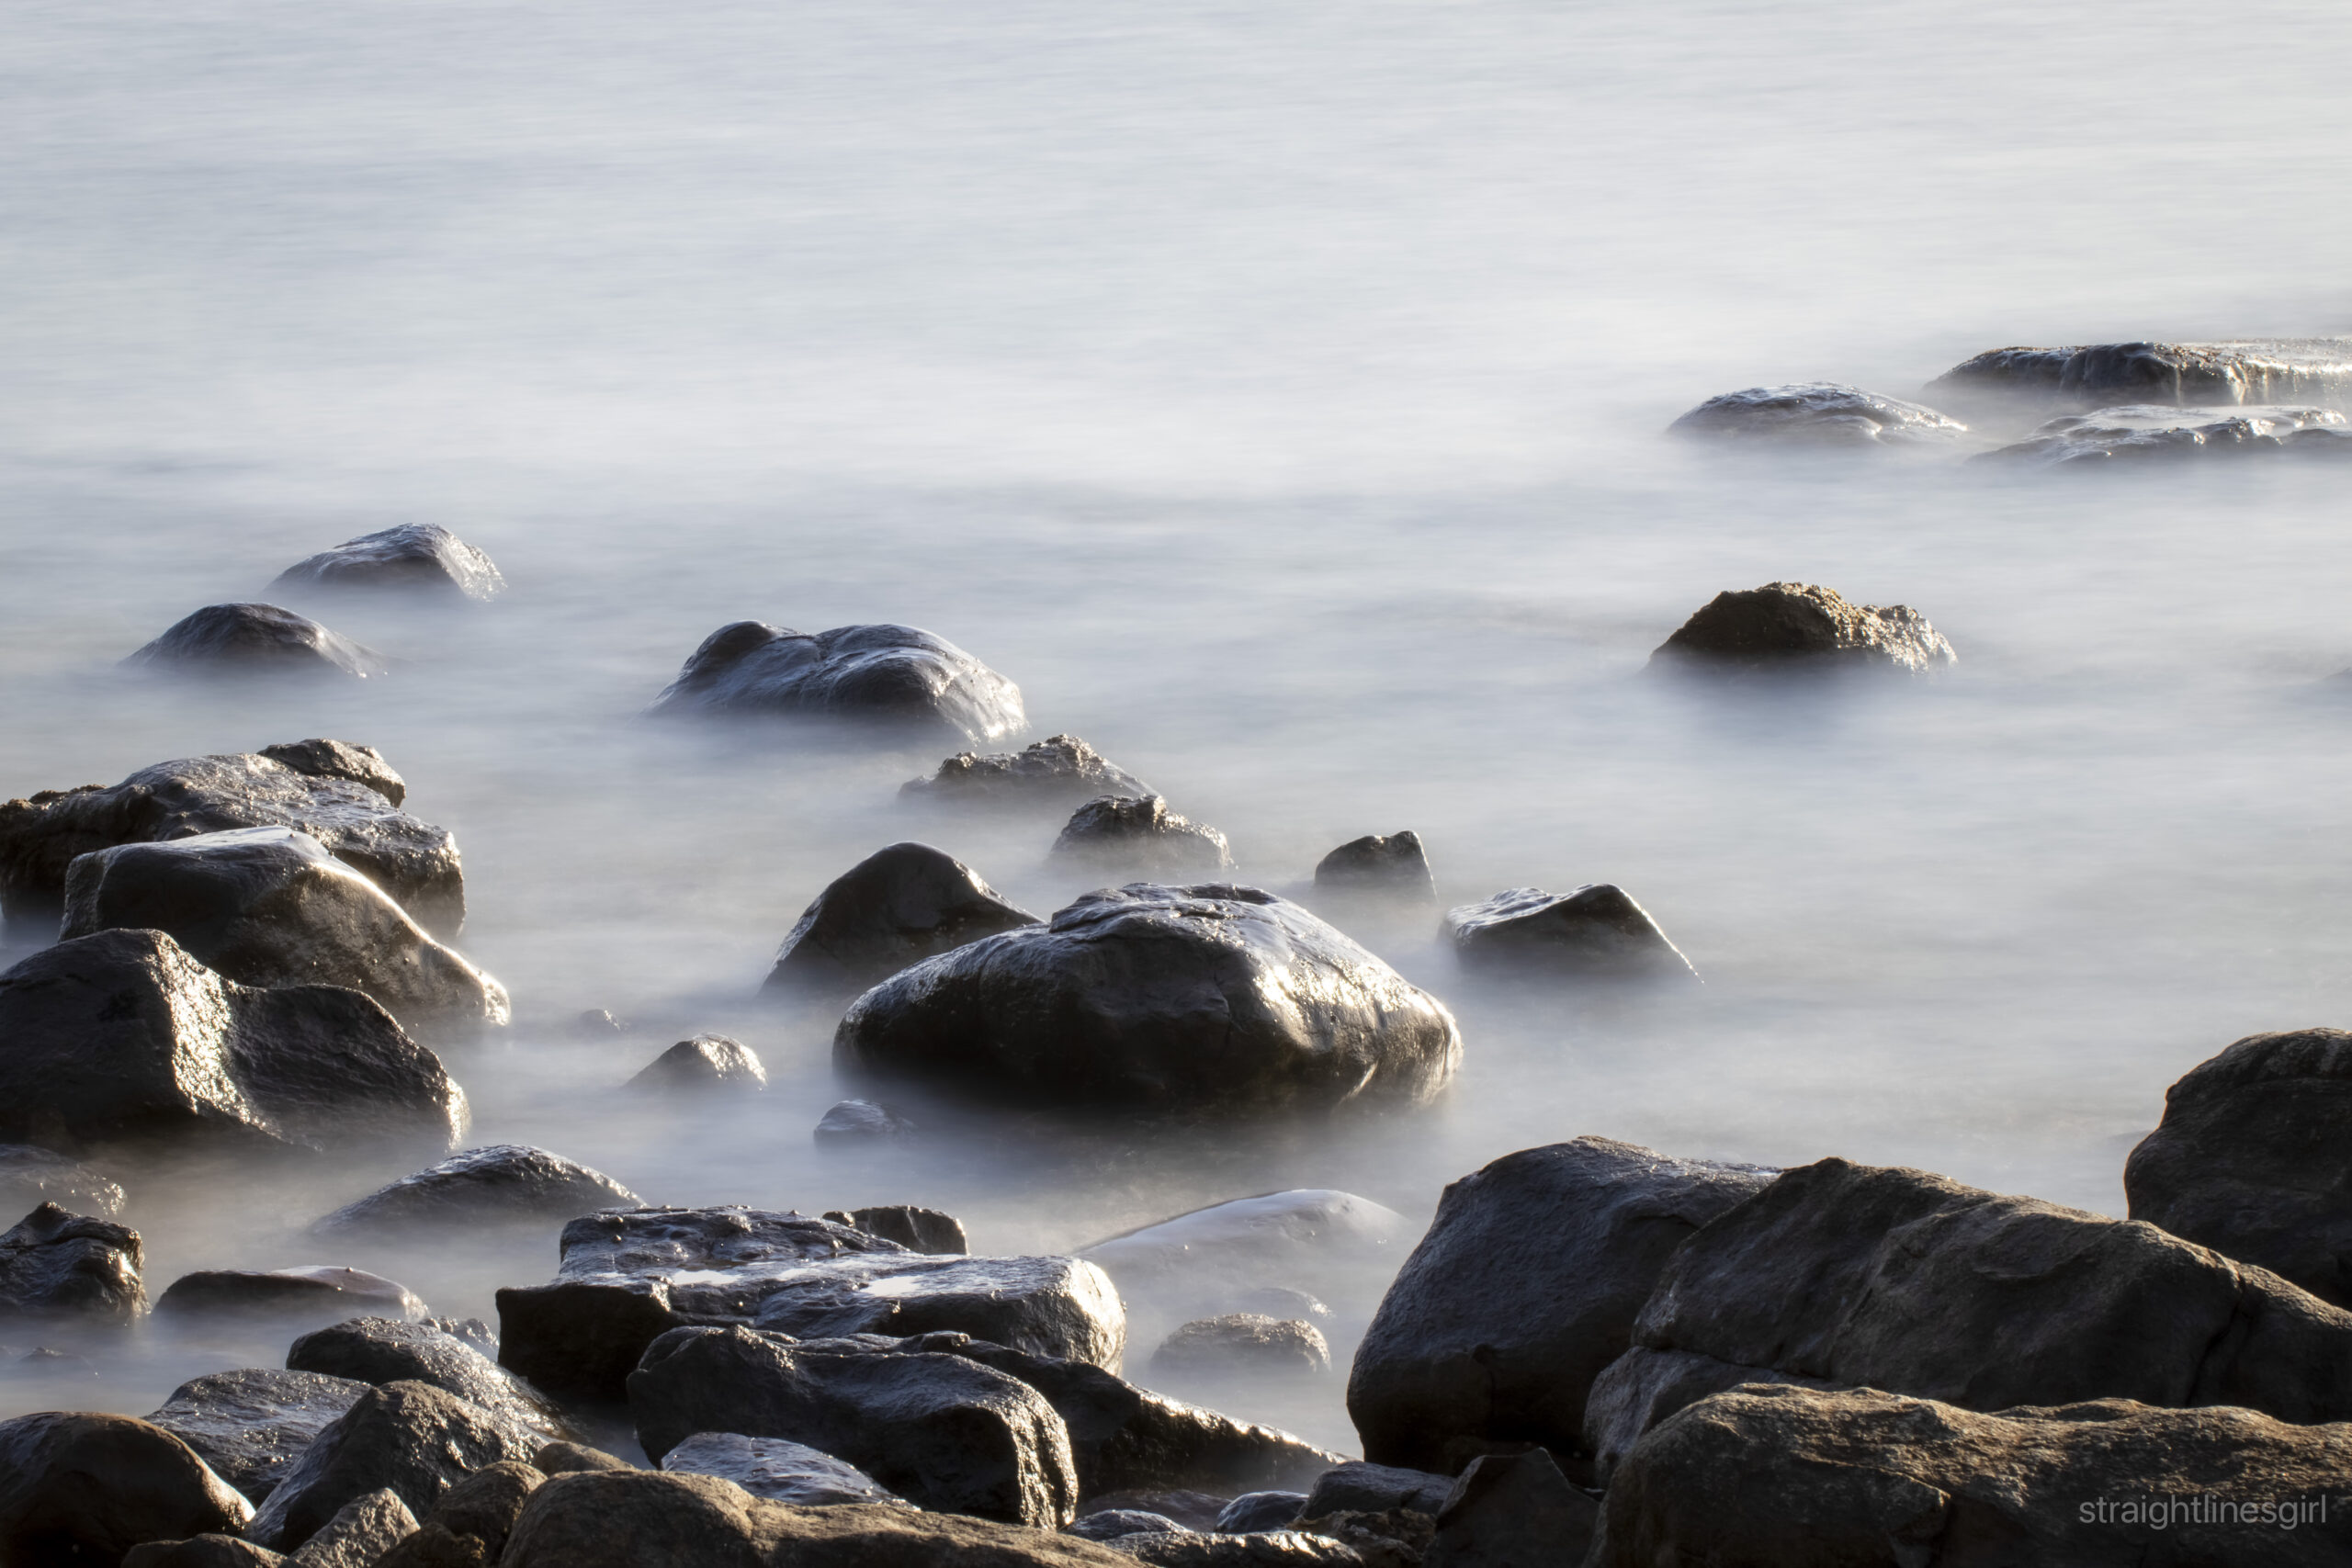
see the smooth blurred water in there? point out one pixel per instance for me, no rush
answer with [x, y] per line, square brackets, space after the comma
[1274, 393]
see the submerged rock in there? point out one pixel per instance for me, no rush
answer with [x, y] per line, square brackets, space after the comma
[1252, 1244]
[2146, 432]
[322, 1293]
[84, 1488]
[704, 1063]
[1817, 413]
[1057, 770]
[1243, 1341]
[859, 1121]
[251, 1426]
[896, 907]
[498, 1184]
[321, 759]
[1594, 932]
[884, 674]
[1791, 625]
[382, 1351]
[414, 557]
[30, 1177]
[53, 1264]
[257, 638]
[1393, 864]
[2256, 370]
[1149, 998]
[773, 1468]
[408, 1437]
[1141, 834]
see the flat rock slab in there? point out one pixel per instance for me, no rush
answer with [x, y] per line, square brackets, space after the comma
[59, 1265]
[251, 1426]
[498, 1184]
[1596, 932]
[416, 557]
[317, 1293]
[1788, 626]
[1059, 771]
[899, 906]
[256, 638]
[891, 676]
[1817, 413]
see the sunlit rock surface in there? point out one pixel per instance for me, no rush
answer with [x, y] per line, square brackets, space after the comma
[889, 676]
[1792, 626]
[1817, 413]
[2253, 370]
[323, 758]
[257, 637]
[1141, 835]
[415, 558]
[1596, 932]
[498, 1184]
[1060, 770]
[251, 1426]
[896, 907]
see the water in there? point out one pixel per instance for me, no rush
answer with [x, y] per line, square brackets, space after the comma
[1274, 395]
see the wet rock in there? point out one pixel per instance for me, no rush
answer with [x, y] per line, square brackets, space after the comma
[1110, 1524]
[1255, 1511]
[1642, 1387]
[320, 1293]
[408, 1437]
[883, 674]
[859, 1121]
[943, 1432]
[1193, 1510]
[414, 557]
[1138, 833]
[562, 1459]
[1393, 865]
[1512, 1509]
[917, 1230]
[1596, 931]
[414, 861]
[771, 1467]
[251, 1426]
[382, 1351]
[1060, 770]
[53, 1264]
[322, 759]
[269, 907]
[704, 1063]
[31, 1176]
[1307, 1232]
[470, 1526]
[1817, 413]
[1800, 1477]
[1243, 1341]
[1391, 1538]
[1276, 1300]
[82, 1488]
[1277, 1549]
[257, 637]
[498, 1184]
[1527, 1285]
[2256, 370]
[1784, 625]
[2146, 433]
[200, 1552]
[472, 1330]
[1360, 1487]
[361, 1533]
[1047, 1306]
[896, 907]
[1149, 998]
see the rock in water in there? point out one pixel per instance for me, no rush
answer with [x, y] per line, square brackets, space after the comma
[2145, 432]
[1513, 1508]
[270, 906]
[917, 1230]
[2257, 370]
[31, 1176]
[1152, 999]
[1596, 932]
[341, 760]
[1058, 771]
[417, 557]
[771, 1467]
[896, 907]
[1817, 413]
[1141, 834]
[316, 1295]
[892, 675]
[53, 1264]
[123, 1036]
[251, 1426]
[1243, 1341]
[1255, 1511]
[408, 1437]
[704, 1063]
[1393, 865]
[257, 638]
[1790, 624]
[859, 1121]
[1060, 1306]
[1254, 1242]
[79, 1488]
[382, 1351]
[498, 1184]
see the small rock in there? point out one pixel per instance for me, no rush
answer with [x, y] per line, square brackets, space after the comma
[703, 1062]
[408, 1437]
[411, 556]
[380, 1352]
[1787, 625]
[43, 1361]
[1393, 865]
[257, 637]
[771, 1467]
[1110, 1524]
[883, 674]
[31, 1176]
[896, 907]
[1512, 1508]
[1817, 413]
[88, 1488]
[499, 1184]
[200, 1552]
[1243, 1341]
[53, 1264]
[1359, 1487]
[1193, 1510]
[1304, 1230]
[1255, 1511]
[597, 1024]
[1597, 930]
[1060, 770]
[855, 1121]
[251, 1426]
[2147, 434]
[341, 760]
[470, 1526]
[917, 1230]
[361, 1533]
[320, 1293]
[1140, 834]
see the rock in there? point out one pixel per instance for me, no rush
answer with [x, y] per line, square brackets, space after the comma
[43, 1361]
[414, 861]
[1060, 770]
[1784, 625]
[704, 1063]
[1392, 865]
[361, 1533]
[1158, 998]
[771, 1467]
[1276, 1300]
[1309, 1232]
[257, 638]
[917, 1230]
[472, 1330]
[596, 1024]
[498, 1184]
[31, 1176]
[943, 1432]
[1596, 931]
[2143, 432]
[1527, 1285]
[877, 674]
[1359, 1487]
[200, 1552]
[1795, 1476]
[470, 1526]
[320, 1293]
[562, 1459]
[1512, 1509]
[1255, 1511]
[896, 907]
[382, 1351]
[1193, 1510]
[1276, 1549]
[2257, 370]
[1243, 1341]
[415, 557]
[858, 1121]
[1139, 833]
[322, 759]
[1110, 1524]
[269, 907]
[408, 1437]
[53, 1264]
[1817, 413]
[1642, 1387]
[82, 1488]
[251, 1426]
[1391, 1538]
[1045, 1307]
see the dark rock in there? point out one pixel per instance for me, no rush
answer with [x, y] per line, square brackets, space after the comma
[1359, 1487]
[857, 1121]
[2146, 433]
[1527, 1285]
[498, 1184]
[1512, 1509]
[1642, 1387]
[200, 1552]
[896, 907]
[1391, 1538]
[251, 1426]
[361, 1533]
[408, 1437]
[1155, 998]
[917, 1230]
[941, 1431]
[2254, 1158]
[1139, 833]
[257, 637]
[1060, 770]
[1393, 865]
[414, 557]
[53, 1264]
[885, 675]
[771, 1467]
[414, 861]
[1817, 413]
[321, 1294]
[470, 1526]
[322, 759]
[1785, 624]
[31, 1176]
[80, 1488]
[1243, 1341]
[1274, 1549]
[1255, 1511]
[1044, 1306]
[270, 906]
[2259, 370]
[707, 1062]
[382, 1351]
[1193, 1510]
[562, 1459]
[1306, 1232]
[1110, 1524]
[1596, 931]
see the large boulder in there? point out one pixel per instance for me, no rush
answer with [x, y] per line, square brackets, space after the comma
[1817, 413]
[123, 1036]
[1060, 770]
[1139, 833]
[30, 1177]
[257, 637]
[1800, 1478]
[497, 1184]
[315, 1293]
[414, 861]
[2257, 370]
[1388, 864]
[251, 1426]
[410, 1438]
[1789, 626]
[773, 1468]
[1151, 998]
[414, 557]
[270, 906]
[82, 1488]
[706, 1063]
[323, 758]
[2143, 432]
[896, 907]
[1596, 931]
[888, 676]
[55, 1264]
[380, 1352]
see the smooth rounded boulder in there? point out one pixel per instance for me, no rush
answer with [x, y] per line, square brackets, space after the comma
[1140, 834]
[1151, 998]
[1596, 932]
[1817, 413]
[773, 1468]
[413, 557]
[896, 907]
[313, 1295]
[699, 1065]
[889, 676]
[87, 1488]
[256, 638]
[54, 1264]
[1060, 770]
[251, 1425]
[1797, 626]
[498, 1184]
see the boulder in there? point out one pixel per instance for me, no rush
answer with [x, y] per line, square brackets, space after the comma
[1274, 1549]
[1515, 1509]
[1788, 626]
[53, 1264]
[1360, 1487]
[887, 675]
[896, 907]
[1139, 833]
[323, 758]
[361, 1533]
[859, 1121]
[704, 1063]
[562, 1459]
[1392, 865]
[1248, 1244]
[1110, 1524]
[82, 1488]
[1192, 1510]
[1526, 1286]
[1046, 1306]
[256, 638]
[414, 557]
[269, 907]
[1255, 1511]
[1817, 413]
[470, 1526]
[1243, 1341]
[2257, 370]
[251, 1426]
[31, 1176]
[382, 1351]
[1150, 997]
[2254, 1158]
[1059, 771]
[498, 1184]
[1642, 1387]
[200, 1552]
[122, 1036]
[414, 861]
[408, 1437]
[319, 1293]
[773, 1468]
[1391, 1538]
[2145, 433]
[917, 1230]
[1596, 932]
[1801, 1477]
[941, 1431]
